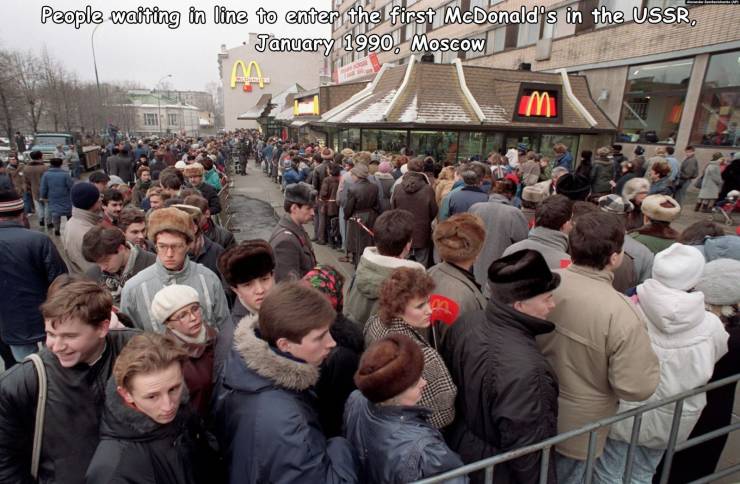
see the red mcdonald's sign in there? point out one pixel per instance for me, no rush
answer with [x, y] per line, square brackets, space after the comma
[540, 103]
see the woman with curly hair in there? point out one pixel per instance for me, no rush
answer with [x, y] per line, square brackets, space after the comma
[404, 308]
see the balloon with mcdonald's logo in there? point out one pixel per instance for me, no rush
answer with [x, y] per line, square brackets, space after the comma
[444, 309]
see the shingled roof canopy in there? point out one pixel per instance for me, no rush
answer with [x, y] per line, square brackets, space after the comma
[433, 97]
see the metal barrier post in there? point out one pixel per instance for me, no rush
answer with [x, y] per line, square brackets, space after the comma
[489, 475]
[668, 459]
[590, 457]
[545, 464]
[631, 451]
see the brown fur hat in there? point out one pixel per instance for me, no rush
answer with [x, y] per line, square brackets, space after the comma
[460, 237]
[247, 261]
[388, 367]
[170, 220]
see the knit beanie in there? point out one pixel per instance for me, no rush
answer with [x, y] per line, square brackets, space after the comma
[84, 195]
[720, 282]
[385, 167]
[388, 367]
[171, 299]
[460, 237]
[679, 267]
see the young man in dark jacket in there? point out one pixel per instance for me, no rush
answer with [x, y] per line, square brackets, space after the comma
[294, 253]
[29, 262]
[78, 360]
[264, 409]
[494, 360]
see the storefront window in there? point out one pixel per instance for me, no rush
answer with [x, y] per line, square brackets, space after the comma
[494, 143]
[390, 141]
[441, 145]
[653, 102]
[547, 141]
[471, 145]
[718, 113]
[349, 138]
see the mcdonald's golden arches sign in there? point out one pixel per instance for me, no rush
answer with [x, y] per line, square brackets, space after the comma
[248, 77]
[539, 103]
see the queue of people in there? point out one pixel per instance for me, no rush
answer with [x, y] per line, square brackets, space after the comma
[170, 353]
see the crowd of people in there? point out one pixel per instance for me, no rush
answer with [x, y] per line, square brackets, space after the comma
[494, 304]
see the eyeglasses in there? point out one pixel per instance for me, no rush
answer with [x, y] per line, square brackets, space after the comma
[174, 247]
[187, 314]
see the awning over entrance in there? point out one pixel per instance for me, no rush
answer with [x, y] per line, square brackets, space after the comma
[258, 110]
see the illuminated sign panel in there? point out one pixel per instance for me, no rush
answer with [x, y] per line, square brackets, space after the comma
[306, 107]
[246, 79]
[540, 103]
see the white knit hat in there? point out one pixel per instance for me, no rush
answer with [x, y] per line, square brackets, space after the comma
[720, 282]
[171, 299]
[679, 266]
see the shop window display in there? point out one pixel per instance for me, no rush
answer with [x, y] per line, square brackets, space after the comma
[718, 112]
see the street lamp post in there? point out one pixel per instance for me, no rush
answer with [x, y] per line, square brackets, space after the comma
[159, 104]
[95, 61]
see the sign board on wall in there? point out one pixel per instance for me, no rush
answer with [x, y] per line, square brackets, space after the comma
[539, 103]
[247, 79]
[359, 68]
[306, 107]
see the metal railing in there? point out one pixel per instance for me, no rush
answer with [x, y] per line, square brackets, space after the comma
[488, 465]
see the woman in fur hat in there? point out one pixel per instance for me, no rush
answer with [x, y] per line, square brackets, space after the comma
[404, 308]
[635, 190]
[658, 212]
[385, 422]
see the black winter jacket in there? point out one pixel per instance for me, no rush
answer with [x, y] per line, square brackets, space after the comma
[210, 194]
[75, 399]
[508, 393]
[266, 421]
[29, 262]
[135, 449]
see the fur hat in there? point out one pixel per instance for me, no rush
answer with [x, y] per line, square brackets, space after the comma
[300, 193]
[170, 219]
[196, 169]
[362, 157]
[388, 367]
[615, 204]
[720, 282]
[247, 261]
[347, 153]
[194, 212]
[635, 187]
[327, 154]
[661, 208]
[460, 237]
[575, 187]
[535, 194]
[521, 275]
[84, 195]
[171, 299]
[415, 164]
[360, 171]
[679, 267]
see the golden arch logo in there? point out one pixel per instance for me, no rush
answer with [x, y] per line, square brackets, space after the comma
[246, 78]
[543, 103]
[538, 103]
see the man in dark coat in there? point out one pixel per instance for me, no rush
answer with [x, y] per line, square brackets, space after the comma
[120, 165]
[363, 206]
[417, 196]
[508, 393]
[194, 174]
[29, 262]
[219, 235]
[471, 193]
[264, 408]
[317, 178]
[291, 245]
[77, 370]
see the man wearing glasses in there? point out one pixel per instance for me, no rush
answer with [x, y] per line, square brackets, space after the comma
[171, 231]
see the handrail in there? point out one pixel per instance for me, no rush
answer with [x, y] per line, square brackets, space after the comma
[546, 444]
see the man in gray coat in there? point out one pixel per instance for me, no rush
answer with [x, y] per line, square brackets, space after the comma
[120, 165]
[506, 225]
[294, 255]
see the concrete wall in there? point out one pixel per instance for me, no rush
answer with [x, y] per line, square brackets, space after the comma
[283, 70]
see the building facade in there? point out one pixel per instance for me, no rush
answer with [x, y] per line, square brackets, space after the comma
[154, 113]
[661, 85]
[246, 75]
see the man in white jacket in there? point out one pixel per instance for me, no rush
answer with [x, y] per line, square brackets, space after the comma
[688, 340]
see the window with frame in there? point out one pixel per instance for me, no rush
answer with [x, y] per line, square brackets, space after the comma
[495, 40]
[653, 102]
[625, 6]
[665, 3]
[528, 34]
[172, 119]
[718, 111]
[559, 29]
[494, 2]
[478, 3]
[449, 56]
[471, 54]
[150, 119]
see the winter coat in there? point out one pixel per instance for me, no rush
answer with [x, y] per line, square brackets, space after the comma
[328, 196]
[56, 186]
[656, 238]
[722, 247]
[29, 262]
[600, 351]
[565, 160]
[552, 244]
[134, 448]
[336, 378]
[292, 176]
[33, 173]
[220, 235]
[225, 338]
[439, 393]
[363, 290]
[210, 194]
[712, 182]
[530, 172]
[17, 177]
[294, 255]
[688, 341]
[319, 175]
[363, 203]
[121, 166]
[138, 194]
[459, 285]
[74, 404]
[137, 295]
[396, 444]
[689, 169]
[385, 183]
[642, 258]
[505, 225]
[80, 224]
[417, 196]
[139, 259]
[265, 418]
[208, 256]
[730, 179]
[211, 177]
[444, 207]
[602, 173]
[198, 368]
[508, 394]
[661, 187]
[466, 197]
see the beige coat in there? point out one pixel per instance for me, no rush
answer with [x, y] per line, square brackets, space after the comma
[80, 224]
[600, 351]
[33, 173]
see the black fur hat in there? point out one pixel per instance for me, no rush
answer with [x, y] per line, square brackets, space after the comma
[521, 275]
[247, 261]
